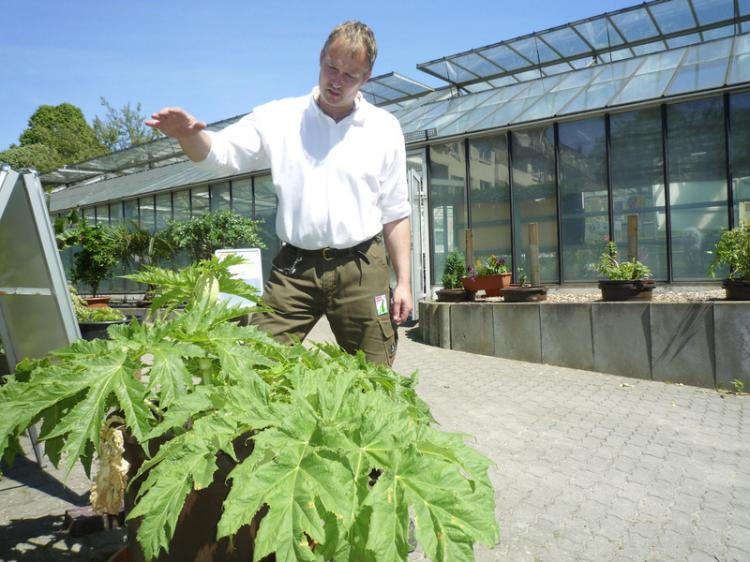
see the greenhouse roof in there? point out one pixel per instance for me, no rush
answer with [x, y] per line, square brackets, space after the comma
[643, 29]
[703, 67]
[392, 89]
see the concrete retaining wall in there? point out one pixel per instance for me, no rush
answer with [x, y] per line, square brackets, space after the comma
[701, 344]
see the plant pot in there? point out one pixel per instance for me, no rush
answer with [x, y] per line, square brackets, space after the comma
[194, 537]
[524, 294]
[97, 302]
[121, 555]
[736, 290]
[634, 289]
[451, 295]
[490, 284]
[97, 330]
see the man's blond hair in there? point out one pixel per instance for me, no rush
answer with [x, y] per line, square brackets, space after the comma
[357, 37]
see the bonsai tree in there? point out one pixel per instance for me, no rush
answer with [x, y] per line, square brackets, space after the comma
[201, 236]
[733, 251]
[342, 450]
[454, 270]
[615, 269]
[95, 253]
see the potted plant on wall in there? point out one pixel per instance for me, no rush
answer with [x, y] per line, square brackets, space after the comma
[625, 279]
[491, 276]
[320, 455]
[733, 251]
[454, 271]
[524, 291]
[94, 321]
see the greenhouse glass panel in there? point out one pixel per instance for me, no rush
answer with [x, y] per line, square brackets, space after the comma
[718, 33]
[649, 48]
[506, 113]
[619, 70]
[102, 214]
[467, 121]
[199, 201]
[534, 199]
[147, 213]
[163, 210]
[740, 69]
[594, 97]
[600, 33]
[739, 111]
[662, 61]
[534, 50]
[645, 86]
[115, 213]
[181, 205]
[266, 205]
[556, 69]
[699, 76]
[697, 184]
[505, 57]
[458, 74]
[577, 79]
[683, 40]
[490, 197]
[710, 11]
[130, 211]
[439, 69]
[673, 16]
[503, 81]
[744, 6]
[221, 199]
[447, 201]
[566, 42]
[708, 51]
[88, 215]
[547, 106]
[635, 25]
[477, 64]
[584, 205]
[242, 197]
[636, 138]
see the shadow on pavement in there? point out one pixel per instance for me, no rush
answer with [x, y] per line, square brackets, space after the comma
[28, 473]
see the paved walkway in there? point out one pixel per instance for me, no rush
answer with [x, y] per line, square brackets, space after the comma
[589, 466]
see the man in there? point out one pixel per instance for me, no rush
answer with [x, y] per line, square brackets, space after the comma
[339, 169]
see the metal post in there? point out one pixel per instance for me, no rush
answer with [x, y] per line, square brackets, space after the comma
[469, 246]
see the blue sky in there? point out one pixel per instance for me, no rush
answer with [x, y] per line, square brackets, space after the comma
[219, 59]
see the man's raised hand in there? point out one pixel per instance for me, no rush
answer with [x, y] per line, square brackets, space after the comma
[175, 122]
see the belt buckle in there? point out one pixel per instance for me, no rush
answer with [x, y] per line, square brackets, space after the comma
[327, 253]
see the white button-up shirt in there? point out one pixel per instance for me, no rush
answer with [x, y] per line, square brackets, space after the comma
[337, 183]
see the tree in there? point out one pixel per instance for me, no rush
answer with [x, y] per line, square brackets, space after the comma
[123, 128]
[63, 128]
[38, 156]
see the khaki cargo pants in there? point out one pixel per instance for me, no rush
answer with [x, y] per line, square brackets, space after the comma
[353, 294]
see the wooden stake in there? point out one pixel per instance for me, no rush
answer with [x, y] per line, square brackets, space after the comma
[534, 277]
[632, 237]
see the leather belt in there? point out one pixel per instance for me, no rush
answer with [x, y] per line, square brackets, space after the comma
[330, 254]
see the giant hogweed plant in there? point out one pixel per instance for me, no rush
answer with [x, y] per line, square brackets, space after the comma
[344, 451]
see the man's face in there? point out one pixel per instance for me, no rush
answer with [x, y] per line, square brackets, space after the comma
[342, 74]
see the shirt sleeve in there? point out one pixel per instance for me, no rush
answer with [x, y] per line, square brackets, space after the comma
[236, 148]
[394, 191]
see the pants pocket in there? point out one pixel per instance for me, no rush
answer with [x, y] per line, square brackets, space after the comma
[390, 339]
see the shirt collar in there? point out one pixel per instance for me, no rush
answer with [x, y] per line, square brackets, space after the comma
[357, 115]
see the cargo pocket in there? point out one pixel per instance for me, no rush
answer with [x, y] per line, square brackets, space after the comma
[390, 339]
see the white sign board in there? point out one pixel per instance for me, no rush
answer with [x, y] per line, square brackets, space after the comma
[250, 271]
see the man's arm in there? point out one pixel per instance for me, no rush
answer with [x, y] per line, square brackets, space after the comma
[397, 236]
[178, 124]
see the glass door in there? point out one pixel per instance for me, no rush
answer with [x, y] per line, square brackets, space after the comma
[420, 242]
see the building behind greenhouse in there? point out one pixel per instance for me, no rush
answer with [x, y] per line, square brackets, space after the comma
[644, 111]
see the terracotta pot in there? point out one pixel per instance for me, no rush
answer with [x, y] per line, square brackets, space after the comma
[634, 289]
[451, 295]
[490, 284]
[524, 294]
[97, 302]
[736, 290]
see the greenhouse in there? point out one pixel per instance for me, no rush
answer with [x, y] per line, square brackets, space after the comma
[644, 111]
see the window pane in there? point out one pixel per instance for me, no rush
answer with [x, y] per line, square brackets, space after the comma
[740, 115]
[163, 210]
[242, 197]
[583, 197]
[131, 210]
[199, 200]
[102, 214]
[115, 213]
[266, 205]
[181, 204]
[447, 202]
[636, 136]
[534, 199]
[146, 205]
[490, 197]
[697, 184]
[220, 197]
